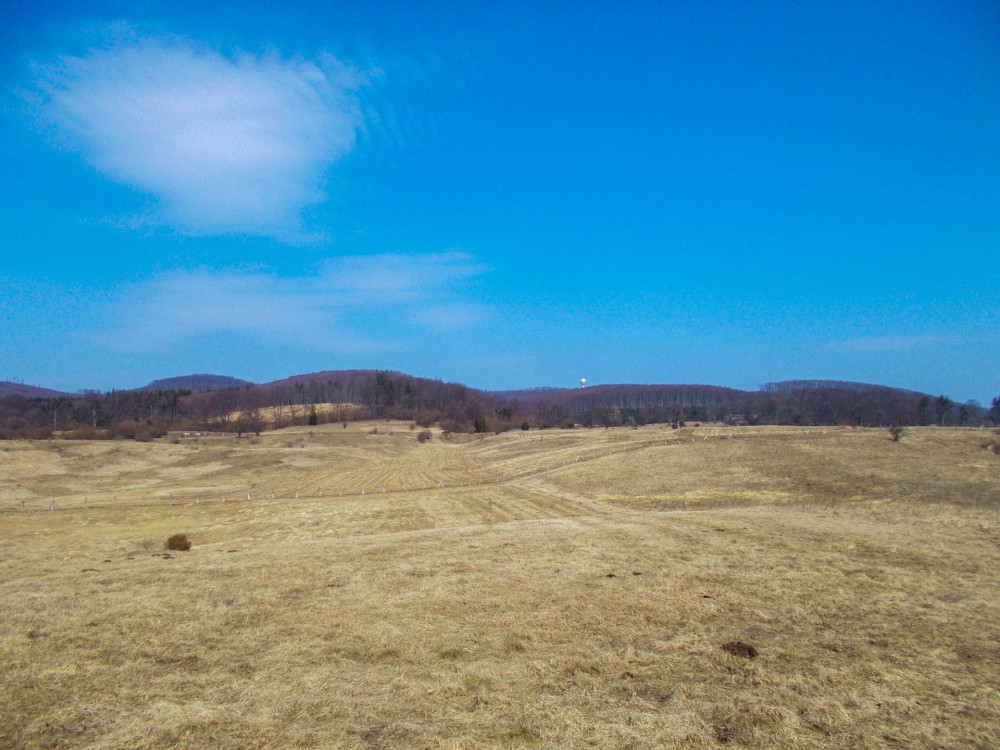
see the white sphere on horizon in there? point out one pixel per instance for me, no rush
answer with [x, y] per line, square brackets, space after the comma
[583, 382]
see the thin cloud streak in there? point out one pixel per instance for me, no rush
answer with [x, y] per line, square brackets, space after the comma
[227, 145]
[876, 344]
[335, 310]
[398, 277]
[454, 317]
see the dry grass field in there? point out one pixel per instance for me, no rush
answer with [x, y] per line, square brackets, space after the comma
[562, 589]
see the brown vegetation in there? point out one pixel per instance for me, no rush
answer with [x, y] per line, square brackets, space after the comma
[613, 600]
[353, 395]
[179, 542]
[741, 649]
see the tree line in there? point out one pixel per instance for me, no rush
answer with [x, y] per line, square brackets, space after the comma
[342, 396]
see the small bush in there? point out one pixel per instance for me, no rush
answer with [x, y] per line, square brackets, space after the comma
[896, 431]
[423, 436]
[179, 542]
[739, 648]
[455, 425]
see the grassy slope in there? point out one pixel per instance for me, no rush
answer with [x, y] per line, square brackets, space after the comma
[575, 605]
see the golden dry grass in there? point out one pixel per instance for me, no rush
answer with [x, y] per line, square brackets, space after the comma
[582, 604]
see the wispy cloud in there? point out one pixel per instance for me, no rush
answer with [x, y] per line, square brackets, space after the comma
[876, 344]
[226, 144]
[344, 307]
[401, 277]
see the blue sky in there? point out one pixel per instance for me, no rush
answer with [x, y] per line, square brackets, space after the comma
[724, 193]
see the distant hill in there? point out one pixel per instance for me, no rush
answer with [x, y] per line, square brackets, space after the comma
[327, 376]
[625, 395]
[378, 390]
[198, 383]
[526, 393]
[783, 386]
[28, 391]
[223, 402]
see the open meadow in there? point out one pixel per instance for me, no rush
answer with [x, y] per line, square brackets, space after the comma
[704, 587]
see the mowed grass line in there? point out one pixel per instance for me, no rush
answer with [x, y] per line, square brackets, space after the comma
[325, 461]
[930, 466]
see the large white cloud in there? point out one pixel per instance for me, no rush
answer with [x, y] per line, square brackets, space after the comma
[234, 144]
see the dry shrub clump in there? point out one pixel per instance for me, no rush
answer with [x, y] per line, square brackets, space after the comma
[179, 542]
[739, 648]
[423, 436]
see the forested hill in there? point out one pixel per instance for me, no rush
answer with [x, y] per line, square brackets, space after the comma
[382, 393]
[8, 388]
[343, 395]
[527, 394]
[196, 383]
[629, 396]
[810, 385]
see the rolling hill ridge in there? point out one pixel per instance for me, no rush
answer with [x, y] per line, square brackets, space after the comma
[215, 402]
